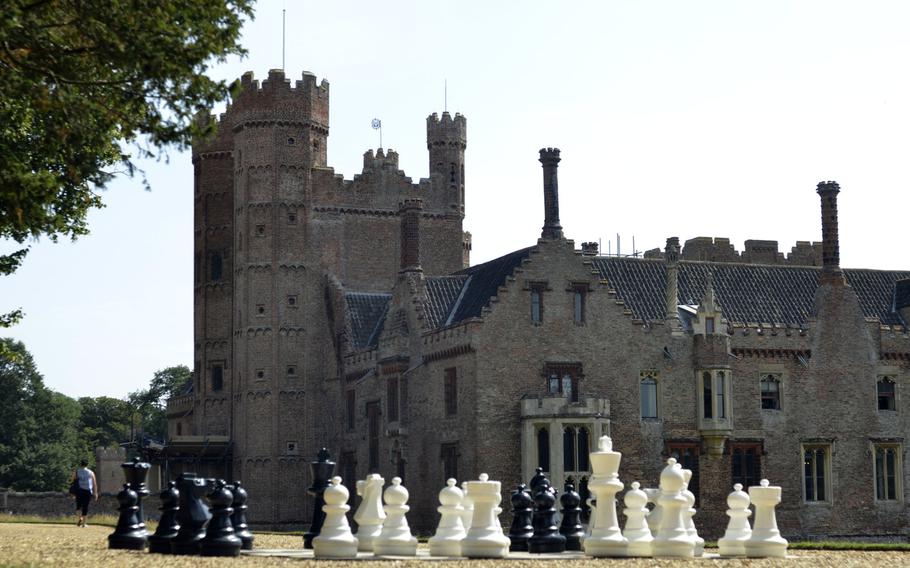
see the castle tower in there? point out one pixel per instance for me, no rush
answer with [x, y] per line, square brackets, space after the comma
[446, 142]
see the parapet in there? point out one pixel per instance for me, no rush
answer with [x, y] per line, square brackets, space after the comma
[446, 129]
[381, 160]
[275, 99]
[757, 251]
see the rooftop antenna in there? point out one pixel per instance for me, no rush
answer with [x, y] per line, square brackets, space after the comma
[618, 251]
[282, 37]
[634, 251]
[377, 125]
[445, 96]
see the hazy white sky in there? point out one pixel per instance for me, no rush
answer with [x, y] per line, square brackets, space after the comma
[698, 118]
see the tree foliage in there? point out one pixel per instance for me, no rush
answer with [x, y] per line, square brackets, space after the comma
[81, 82]
[151, 403]
[104, 421]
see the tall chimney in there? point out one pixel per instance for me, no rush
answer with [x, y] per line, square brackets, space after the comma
[409, 210]
[831, 272]
[672, 290]
[549, 157]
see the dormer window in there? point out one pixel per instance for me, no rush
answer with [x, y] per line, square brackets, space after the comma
[709, 326]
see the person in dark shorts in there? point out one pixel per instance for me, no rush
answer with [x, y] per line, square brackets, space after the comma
[88, 488]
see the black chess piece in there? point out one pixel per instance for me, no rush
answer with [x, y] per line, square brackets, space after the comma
[136, 472]
[522, 512]
[322, 470]
[534, 484]
[546, 536]
[168, 526]
[220, 539]
[238, 519]
[193, 515]
[571, 526]
[129, 534]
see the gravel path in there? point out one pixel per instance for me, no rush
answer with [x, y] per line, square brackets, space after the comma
[67, 545]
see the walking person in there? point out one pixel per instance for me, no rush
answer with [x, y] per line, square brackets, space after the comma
[88, 488]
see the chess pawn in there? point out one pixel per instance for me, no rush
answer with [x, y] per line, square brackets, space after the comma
[322, 470]
[733, 543]
[238, 519]
[765, 540]
[335, 540]
[129, 534]
[546, 537]
[690, 513]
[637, 532]
[168, 526]
[485, 538]
[522, 512]
[396, 538]
[571, 527]
[606, 538]
[656, 513]
[467, 508]
[220, 539]
[450, 532]
[534, 484]
[369, 515]
[672, 538]
[193, 515]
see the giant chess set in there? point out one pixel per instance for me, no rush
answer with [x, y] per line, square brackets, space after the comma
[469, 525]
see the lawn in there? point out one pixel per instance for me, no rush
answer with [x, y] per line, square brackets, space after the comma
[27, 544]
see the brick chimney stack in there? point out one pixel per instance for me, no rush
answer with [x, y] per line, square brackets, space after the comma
[409, 210]
[671, 253]
[549, 157]
[831, 272]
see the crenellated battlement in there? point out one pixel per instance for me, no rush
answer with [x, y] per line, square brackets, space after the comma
[380, 160]
[307, 86]
[757, 251]
[446, 130]
[275, 101]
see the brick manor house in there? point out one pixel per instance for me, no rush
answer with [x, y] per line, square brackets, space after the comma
[345, 313]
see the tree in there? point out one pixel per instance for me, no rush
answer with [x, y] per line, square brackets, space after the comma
[104, 421]
[39, 443]
[151, 403]
[83, 80]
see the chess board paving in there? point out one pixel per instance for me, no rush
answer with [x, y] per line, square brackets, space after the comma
[72, 547]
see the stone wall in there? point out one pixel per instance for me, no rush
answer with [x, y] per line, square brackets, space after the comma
[54, 503]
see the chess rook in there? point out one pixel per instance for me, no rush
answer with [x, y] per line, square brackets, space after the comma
[765, 540]
[335, 540]
[485, 538]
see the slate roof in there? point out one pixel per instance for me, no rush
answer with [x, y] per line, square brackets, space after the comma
[461, 296]
[367, 313]
[747, 293]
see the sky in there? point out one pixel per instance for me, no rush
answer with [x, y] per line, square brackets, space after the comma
[687, 119]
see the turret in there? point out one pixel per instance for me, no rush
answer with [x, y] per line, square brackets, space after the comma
[446, 142]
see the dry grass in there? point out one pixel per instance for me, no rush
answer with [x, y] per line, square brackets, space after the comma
[66, 545]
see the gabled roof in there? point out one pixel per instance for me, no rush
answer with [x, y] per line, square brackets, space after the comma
[461, 296]
[747, 293]
[366, 313]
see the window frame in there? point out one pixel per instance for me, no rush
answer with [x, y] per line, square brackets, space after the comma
[742, 477]
[579, 294]
[392, 399]
[651, 377]
[537, 305]
[687, 449]
[449, 453]
[351, 407]
[897, 474]
[450, 391]
[827, 452]
[719, 392]
[560, 372]
[770, 378]
[892, 396]
[216, 379]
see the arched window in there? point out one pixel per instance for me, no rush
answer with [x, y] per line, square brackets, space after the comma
[708, 399]
[886, 394]
[648, 391]
[575, 448]
[543, 449]
[568, 449]
[770, 392]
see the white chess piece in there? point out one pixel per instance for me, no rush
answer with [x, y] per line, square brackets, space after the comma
[733, 543]
[657, 512]
[369, 515]
[672, 538]
[396, 538]
[636, 531]
[690, 513]
[450, 532]
[606, 538]
[335, 540]
[485, 538]
[765, 540]
[467, 507]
